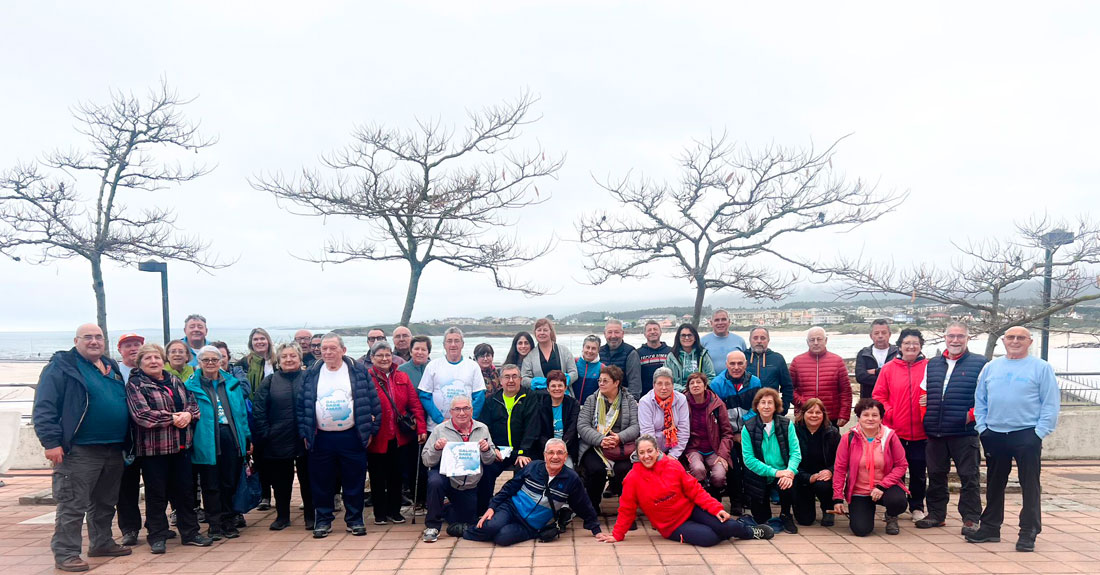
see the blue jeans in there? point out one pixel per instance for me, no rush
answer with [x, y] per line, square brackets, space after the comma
[506, 527]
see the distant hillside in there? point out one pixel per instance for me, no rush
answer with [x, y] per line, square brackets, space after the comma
[632, 315]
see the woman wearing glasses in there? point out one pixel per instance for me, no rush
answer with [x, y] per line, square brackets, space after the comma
[688, 356]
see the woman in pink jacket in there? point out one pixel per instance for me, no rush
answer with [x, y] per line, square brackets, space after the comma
[900, 385]
[870, 463]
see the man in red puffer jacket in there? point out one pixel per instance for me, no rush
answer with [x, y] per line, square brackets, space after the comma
[822, 374]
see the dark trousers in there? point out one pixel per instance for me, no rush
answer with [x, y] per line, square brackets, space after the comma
[915, 453]
[705, 530]
[866, 389]
[219, 483]
[385, 479]
[85, 483]
[486, 486]
[806, 495]
[281, 472]
[463, 502]
[861, 510]
[168, 480]
[1000, 449]
[507, 527]
[964, 451]
[735, 478]
[338, 460]
[595, 475]
[129, 498]
[259, 466]
[762, 506]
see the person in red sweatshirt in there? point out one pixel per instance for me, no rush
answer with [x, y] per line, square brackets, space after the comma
[899, 387]
[822, 374]
[676, 505]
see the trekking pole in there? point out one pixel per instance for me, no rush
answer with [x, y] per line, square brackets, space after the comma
[416, 488]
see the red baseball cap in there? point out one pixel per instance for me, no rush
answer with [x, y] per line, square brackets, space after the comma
[128, 336]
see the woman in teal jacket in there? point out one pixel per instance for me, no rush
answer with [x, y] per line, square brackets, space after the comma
[222, 438]
[688, 356]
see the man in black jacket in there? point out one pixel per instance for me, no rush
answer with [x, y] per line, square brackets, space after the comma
[952, 379]
[619, 353]
[769, 366]
[86, 452]
[870, 359]
[512, 418]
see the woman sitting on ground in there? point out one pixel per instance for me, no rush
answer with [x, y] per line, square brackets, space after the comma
[675, 503]
[817, 441]
[769, 446]
[870, 465]
[710, 445]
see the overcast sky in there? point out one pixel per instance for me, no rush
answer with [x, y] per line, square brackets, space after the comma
[986, 113]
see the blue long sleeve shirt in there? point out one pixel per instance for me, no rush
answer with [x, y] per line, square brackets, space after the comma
[1015, 394]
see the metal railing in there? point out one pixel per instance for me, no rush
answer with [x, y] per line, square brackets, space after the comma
[1079, 388]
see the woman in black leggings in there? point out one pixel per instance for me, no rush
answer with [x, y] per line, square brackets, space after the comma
[870, 464]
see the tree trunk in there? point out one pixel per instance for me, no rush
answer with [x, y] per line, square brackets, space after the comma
[700, 293]
[415, 269]
[991, 343]
[100, 302]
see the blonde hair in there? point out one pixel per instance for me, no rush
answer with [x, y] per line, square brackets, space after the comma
[546, 321]
[148, 348]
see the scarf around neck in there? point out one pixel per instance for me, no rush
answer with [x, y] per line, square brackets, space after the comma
[670, 424]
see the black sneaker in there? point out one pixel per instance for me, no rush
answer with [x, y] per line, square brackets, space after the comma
[232, 533]
[456, 530]
[380, 520]
[565, 517]
[279, 524]
[985, 535]
[199, 540]
[214, 534]
[789, 525]
[357, 530]
[762, 531]
[321, 531]
[171, 534]
[892, 527]
[264, 505]
[240, 523]
[129, 538]
[157, 547]
[1026, 542]
[828, 520]
[397, 518]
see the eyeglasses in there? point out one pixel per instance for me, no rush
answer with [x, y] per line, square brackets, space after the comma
[462, 409]
[687, 336]
[91, 338]
[315, 346]
[379, 338]
[209, 360]
[954, 336]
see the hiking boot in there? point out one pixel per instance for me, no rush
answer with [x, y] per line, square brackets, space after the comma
[762, 532]
[985, 534]
[214, 534]
[232, 533]
[199, 540]
[431, 535]
[72, 564]
[456, 530]
[157, 547]
[129, 538]
[321, 531]
[828, 520]
[892, 525]
[969, 527]
[930, 522]
[357, 530]
[1026, 542]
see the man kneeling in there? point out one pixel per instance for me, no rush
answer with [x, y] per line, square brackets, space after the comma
[529, 505]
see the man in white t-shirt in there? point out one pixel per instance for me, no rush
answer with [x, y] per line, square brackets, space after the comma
[870, 359]
[449, 377]
[338, 413]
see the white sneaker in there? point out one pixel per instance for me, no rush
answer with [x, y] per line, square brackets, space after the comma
[918, 514]
[431, 535]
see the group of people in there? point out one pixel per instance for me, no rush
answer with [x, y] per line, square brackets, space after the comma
[656, 426]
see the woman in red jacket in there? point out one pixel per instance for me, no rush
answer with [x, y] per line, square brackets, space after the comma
[675, 503]
[388, 449]
[901, 382]
[870, 463]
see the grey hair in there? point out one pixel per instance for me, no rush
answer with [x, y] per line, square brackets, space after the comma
[454, 329]
[383, 344]
[880, 321]
[508, 367]
[653, 322]
[461, 398]
[720, 310]
[958, 323]
[663, 372]
[336, 336]
[194, 316]
[210, 349]
[593, 338]
[613, 321]
[759, 327]
[817, 328]
[554, 441]
[283, 347]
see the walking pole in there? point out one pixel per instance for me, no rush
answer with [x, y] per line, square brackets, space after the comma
[416, 488]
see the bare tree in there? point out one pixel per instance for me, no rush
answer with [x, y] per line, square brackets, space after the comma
[42, 211]
[729, 207]
[985, 273]
[427, 195]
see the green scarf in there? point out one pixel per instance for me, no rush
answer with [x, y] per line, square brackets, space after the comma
[606, 416]
[255, 371]
[184, 374]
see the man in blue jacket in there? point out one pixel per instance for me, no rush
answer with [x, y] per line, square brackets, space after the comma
[86, 451]
[529, 505]
[949, 423]
[736, 387]
[337, 414]
[1016, 405]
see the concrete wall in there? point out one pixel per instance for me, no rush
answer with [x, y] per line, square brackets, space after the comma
[1077, 437]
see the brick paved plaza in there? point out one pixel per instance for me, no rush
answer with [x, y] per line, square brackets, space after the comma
[1070, 543]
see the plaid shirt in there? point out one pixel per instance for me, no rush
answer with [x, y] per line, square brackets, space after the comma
[151, 408]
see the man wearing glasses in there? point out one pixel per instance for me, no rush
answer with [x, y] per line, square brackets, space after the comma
[822, 374]
[314, 348]
[374, 336]
[1015, 406]
[86, 452]
[949, 424]
[302, 337]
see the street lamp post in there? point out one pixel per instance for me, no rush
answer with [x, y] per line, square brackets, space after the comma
[162, 268]
[1051, 242]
